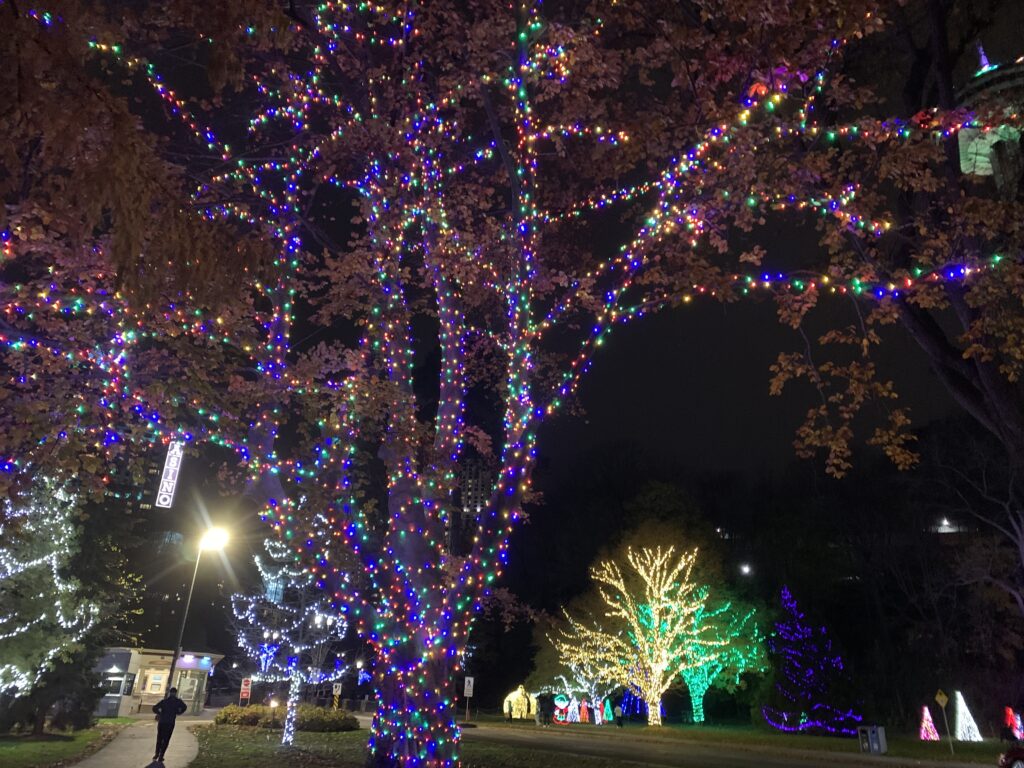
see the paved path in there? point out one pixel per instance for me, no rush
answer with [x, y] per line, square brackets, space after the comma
[133, 747]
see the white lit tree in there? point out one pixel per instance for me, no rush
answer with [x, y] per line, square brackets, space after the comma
[43, 614]
[288, 628]
[649, 635]
[552, 675]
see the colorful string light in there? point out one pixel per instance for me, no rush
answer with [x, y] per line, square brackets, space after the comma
[420, 600]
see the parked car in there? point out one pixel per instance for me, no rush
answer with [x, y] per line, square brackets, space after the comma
[1013, 757]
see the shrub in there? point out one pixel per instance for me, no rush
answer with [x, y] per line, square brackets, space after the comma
[311, 718]
[233, 714]
[308, 718]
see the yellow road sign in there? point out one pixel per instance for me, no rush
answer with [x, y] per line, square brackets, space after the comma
[942, 698]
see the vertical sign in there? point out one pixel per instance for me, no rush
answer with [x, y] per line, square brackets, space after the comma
[337, 694]
[943, 700]
[246, 690]
[469, 694]
[169, 478]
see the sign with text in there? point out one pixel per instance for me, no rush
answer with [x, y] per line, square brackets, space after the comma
[469, 687]
[169, 478]
[337, 689]
[246, 689]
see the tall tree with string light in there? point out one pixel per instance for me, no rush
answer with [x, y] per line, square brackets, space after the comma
[651, 629]
[809, 677]
[483, 170]
[738, 650]
[44, 613]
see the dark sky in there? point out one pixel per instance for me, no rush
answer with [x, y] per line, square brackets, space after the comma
[691, 384]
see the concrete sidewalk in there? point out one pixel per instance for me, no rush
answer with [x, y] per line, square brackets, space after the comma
[133, 747]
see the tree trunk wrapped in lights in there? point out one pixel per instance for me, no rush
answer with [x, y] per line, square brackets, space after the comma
[649, 634]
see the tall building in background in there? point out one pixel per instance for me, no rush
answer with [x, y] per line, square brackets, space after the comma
[475, 486]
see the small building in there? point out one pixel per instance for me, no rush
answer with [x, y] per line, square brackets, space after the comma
[134, 679]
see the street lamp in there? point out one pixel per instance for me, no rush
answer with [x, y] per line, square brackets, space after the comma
[214, 538]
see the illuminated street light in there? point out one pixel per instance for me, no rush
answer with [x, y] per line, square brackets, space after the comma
[213, 538]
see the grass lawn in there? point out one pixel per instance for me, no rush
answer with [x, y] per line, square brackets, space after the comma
[900, 745]
[32, 752]
[229, 746]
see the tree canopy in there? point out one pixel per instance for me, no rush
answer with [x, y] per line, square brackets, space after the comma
[523, 183]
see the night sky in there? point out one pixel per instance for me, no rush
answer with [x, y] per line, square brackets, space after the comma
[691, 384]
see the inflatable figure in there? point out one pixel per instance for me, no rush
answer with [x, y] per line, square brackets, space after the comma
[518, 702]
[584, 712]
[561, 708]
[573, 715]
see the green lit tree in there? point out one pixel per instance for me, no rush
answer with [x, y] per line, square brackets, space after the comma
[739, 650]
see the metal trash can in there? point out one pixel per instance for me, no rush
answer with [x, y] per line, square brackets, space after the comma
[872, 739]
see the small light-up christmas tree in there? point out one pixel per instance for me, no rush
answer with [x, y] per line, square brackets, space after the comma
[927, 731]
[807, 670]
[288, 628]
[966, 728]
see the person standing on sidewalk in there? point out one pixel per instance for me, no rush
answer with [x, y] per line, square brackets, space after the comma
[167, 711]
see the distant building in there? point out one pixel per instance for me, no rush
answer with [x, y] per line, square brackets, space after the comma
[475, 485]
[134, 679]
[995, 152]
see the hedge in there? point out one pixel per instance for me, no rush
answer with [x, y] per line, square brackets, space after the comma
[308, 717]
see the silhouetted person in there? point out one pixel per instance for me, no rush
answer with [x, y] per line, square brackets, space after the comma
[167, 711]
[618, 715]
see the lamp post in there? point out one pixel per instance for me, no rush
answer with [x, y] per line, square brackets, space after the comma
[214, 538]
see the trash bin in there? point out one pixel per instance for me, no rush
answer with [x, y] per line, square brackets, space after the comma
[872, 739]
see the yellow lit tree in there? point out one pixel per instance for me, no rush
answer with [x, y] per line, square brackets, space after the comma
[649, 636]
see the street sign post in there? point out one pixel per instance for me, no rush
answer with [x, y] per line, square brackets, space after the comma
[337, 693]
[468, 691]
[246, 691]
[943, 700]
